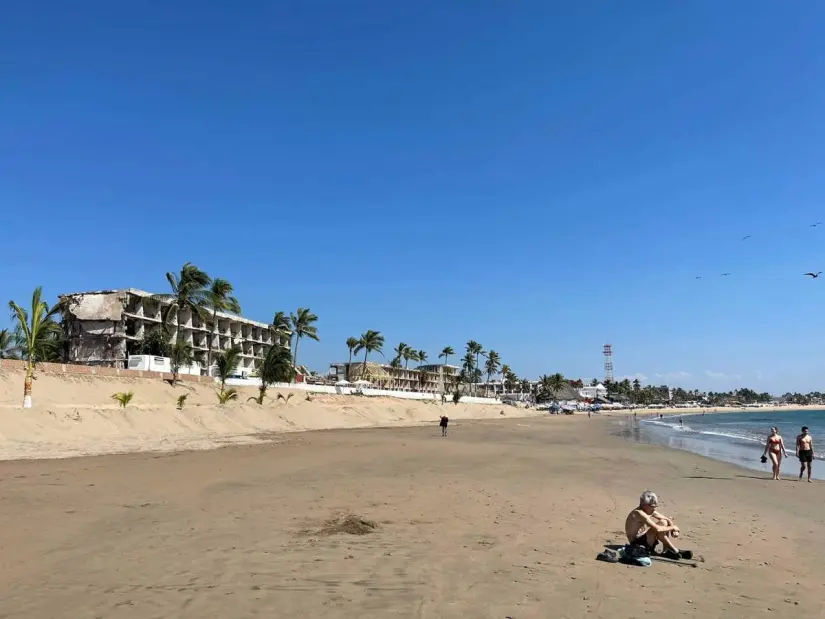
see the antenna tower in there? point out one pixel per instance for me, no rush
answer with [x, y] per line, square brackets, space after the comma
[608, 363]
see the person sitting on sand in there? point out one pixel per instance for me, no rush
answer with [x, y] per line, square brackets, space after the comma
[647, 528]
[776, 446]
[444, 421]
[805, 452]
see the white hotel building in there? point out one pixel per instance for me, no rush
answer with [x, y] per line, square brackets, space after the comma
[103, 326]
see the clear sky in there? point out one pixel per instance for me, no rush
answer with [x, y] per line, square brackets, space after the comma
[543, 177]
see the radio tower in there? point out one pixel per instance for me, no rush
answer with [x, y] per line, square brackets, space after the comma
[608, 363]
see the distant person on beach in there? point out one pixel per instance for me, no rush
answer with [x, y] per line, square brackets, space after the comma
[805, 451]
[647, 528]
[443, 423]
[681, 423]
[775, 447]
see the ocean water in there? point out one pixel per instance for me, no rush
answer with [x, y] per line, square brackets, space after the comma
[738, 438]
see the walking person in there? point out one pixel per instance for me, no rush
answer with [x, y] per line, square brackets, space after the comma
[443, 423]
[805, 452]
[775, 446]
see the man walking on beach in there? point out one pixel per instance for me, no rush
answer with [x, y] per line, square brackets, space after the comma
[444, 421]
[805, 452]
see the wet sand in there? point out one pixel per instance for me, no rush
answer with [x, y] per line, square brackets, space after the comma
[500, 519]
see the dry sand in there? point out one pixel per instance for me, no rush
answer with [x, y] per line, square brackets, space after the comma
[500, 519]
[75, 415]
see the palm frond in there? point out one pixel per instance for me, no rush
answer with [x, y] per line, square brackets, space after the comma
[227, 363]
[124, 397]
[277, 366]
[182, 401]
[303, 323]
[226, 395]
[37, 334]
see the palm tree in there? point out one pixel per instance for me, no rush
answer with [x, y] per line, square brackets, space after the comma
[410, 355]
[445, 353]
[371, 341]
[352, 343]
[476, 349]
[189, 290]
[227, 362]
[181, 355]
[275, 368]
[468, 367]
[8, 345]
[303, 325]
[492, 365]
[401, 352]
[506, 374]
[282, 328]
[225, 396]
[219, 298]
[557, 383]
[36, 334]
[421, 356]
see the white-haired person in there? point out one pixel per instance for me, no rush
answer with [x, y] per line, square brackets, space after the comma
[647, 528]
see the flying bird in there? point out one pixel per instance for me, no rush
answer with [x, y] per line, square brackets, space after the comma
[819, 223]
[814, 275]
[698, 277]
[725, 274]
[745, 238]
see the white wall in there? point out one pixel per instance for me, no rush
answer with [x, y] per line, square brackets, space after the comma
[403, 395]
[149, 363]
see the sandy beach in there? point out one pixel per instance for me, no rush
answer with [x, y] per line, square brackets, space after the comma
[501, 519]
[76, 416]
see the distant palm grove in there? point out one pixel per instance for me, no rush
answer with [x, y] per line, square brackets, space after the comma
[38, 336]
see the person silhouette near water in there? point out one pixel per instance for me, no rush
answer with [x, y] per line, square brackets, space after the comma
[776, 447]
[805, 451]
[443, 423]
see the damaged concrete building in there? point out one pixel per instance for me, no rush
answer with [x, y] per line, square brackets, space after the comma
[102, 327]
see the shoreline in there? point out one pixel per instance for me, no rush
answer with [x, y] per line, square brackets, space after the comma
[737, 445]
[719, 410]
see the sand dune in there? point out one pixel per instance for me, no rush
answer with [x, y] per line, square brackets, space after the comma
[75, 415]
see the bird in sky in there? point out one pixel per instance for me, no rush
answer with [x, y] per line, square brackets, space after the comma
[814, 275]
[745, 238]
[725, 274]
[698, 277]
[819, 223]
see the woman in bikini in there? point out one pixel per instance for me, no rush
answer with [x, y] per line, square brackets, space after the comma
[775, 447]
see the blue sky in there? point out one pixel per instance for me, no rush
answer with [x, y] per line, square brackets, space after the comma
[543, 177]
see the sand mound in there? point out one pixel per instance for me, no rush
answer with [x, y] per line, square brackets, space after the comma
[76, 415]
[349, 524]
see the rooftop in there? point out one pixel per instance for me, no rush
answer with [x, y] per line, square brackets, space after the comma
[148, 295]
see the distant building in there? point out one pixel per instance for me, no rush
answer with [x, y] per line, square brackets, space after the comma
[433, 378]
[591, 392]
[102, 327]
